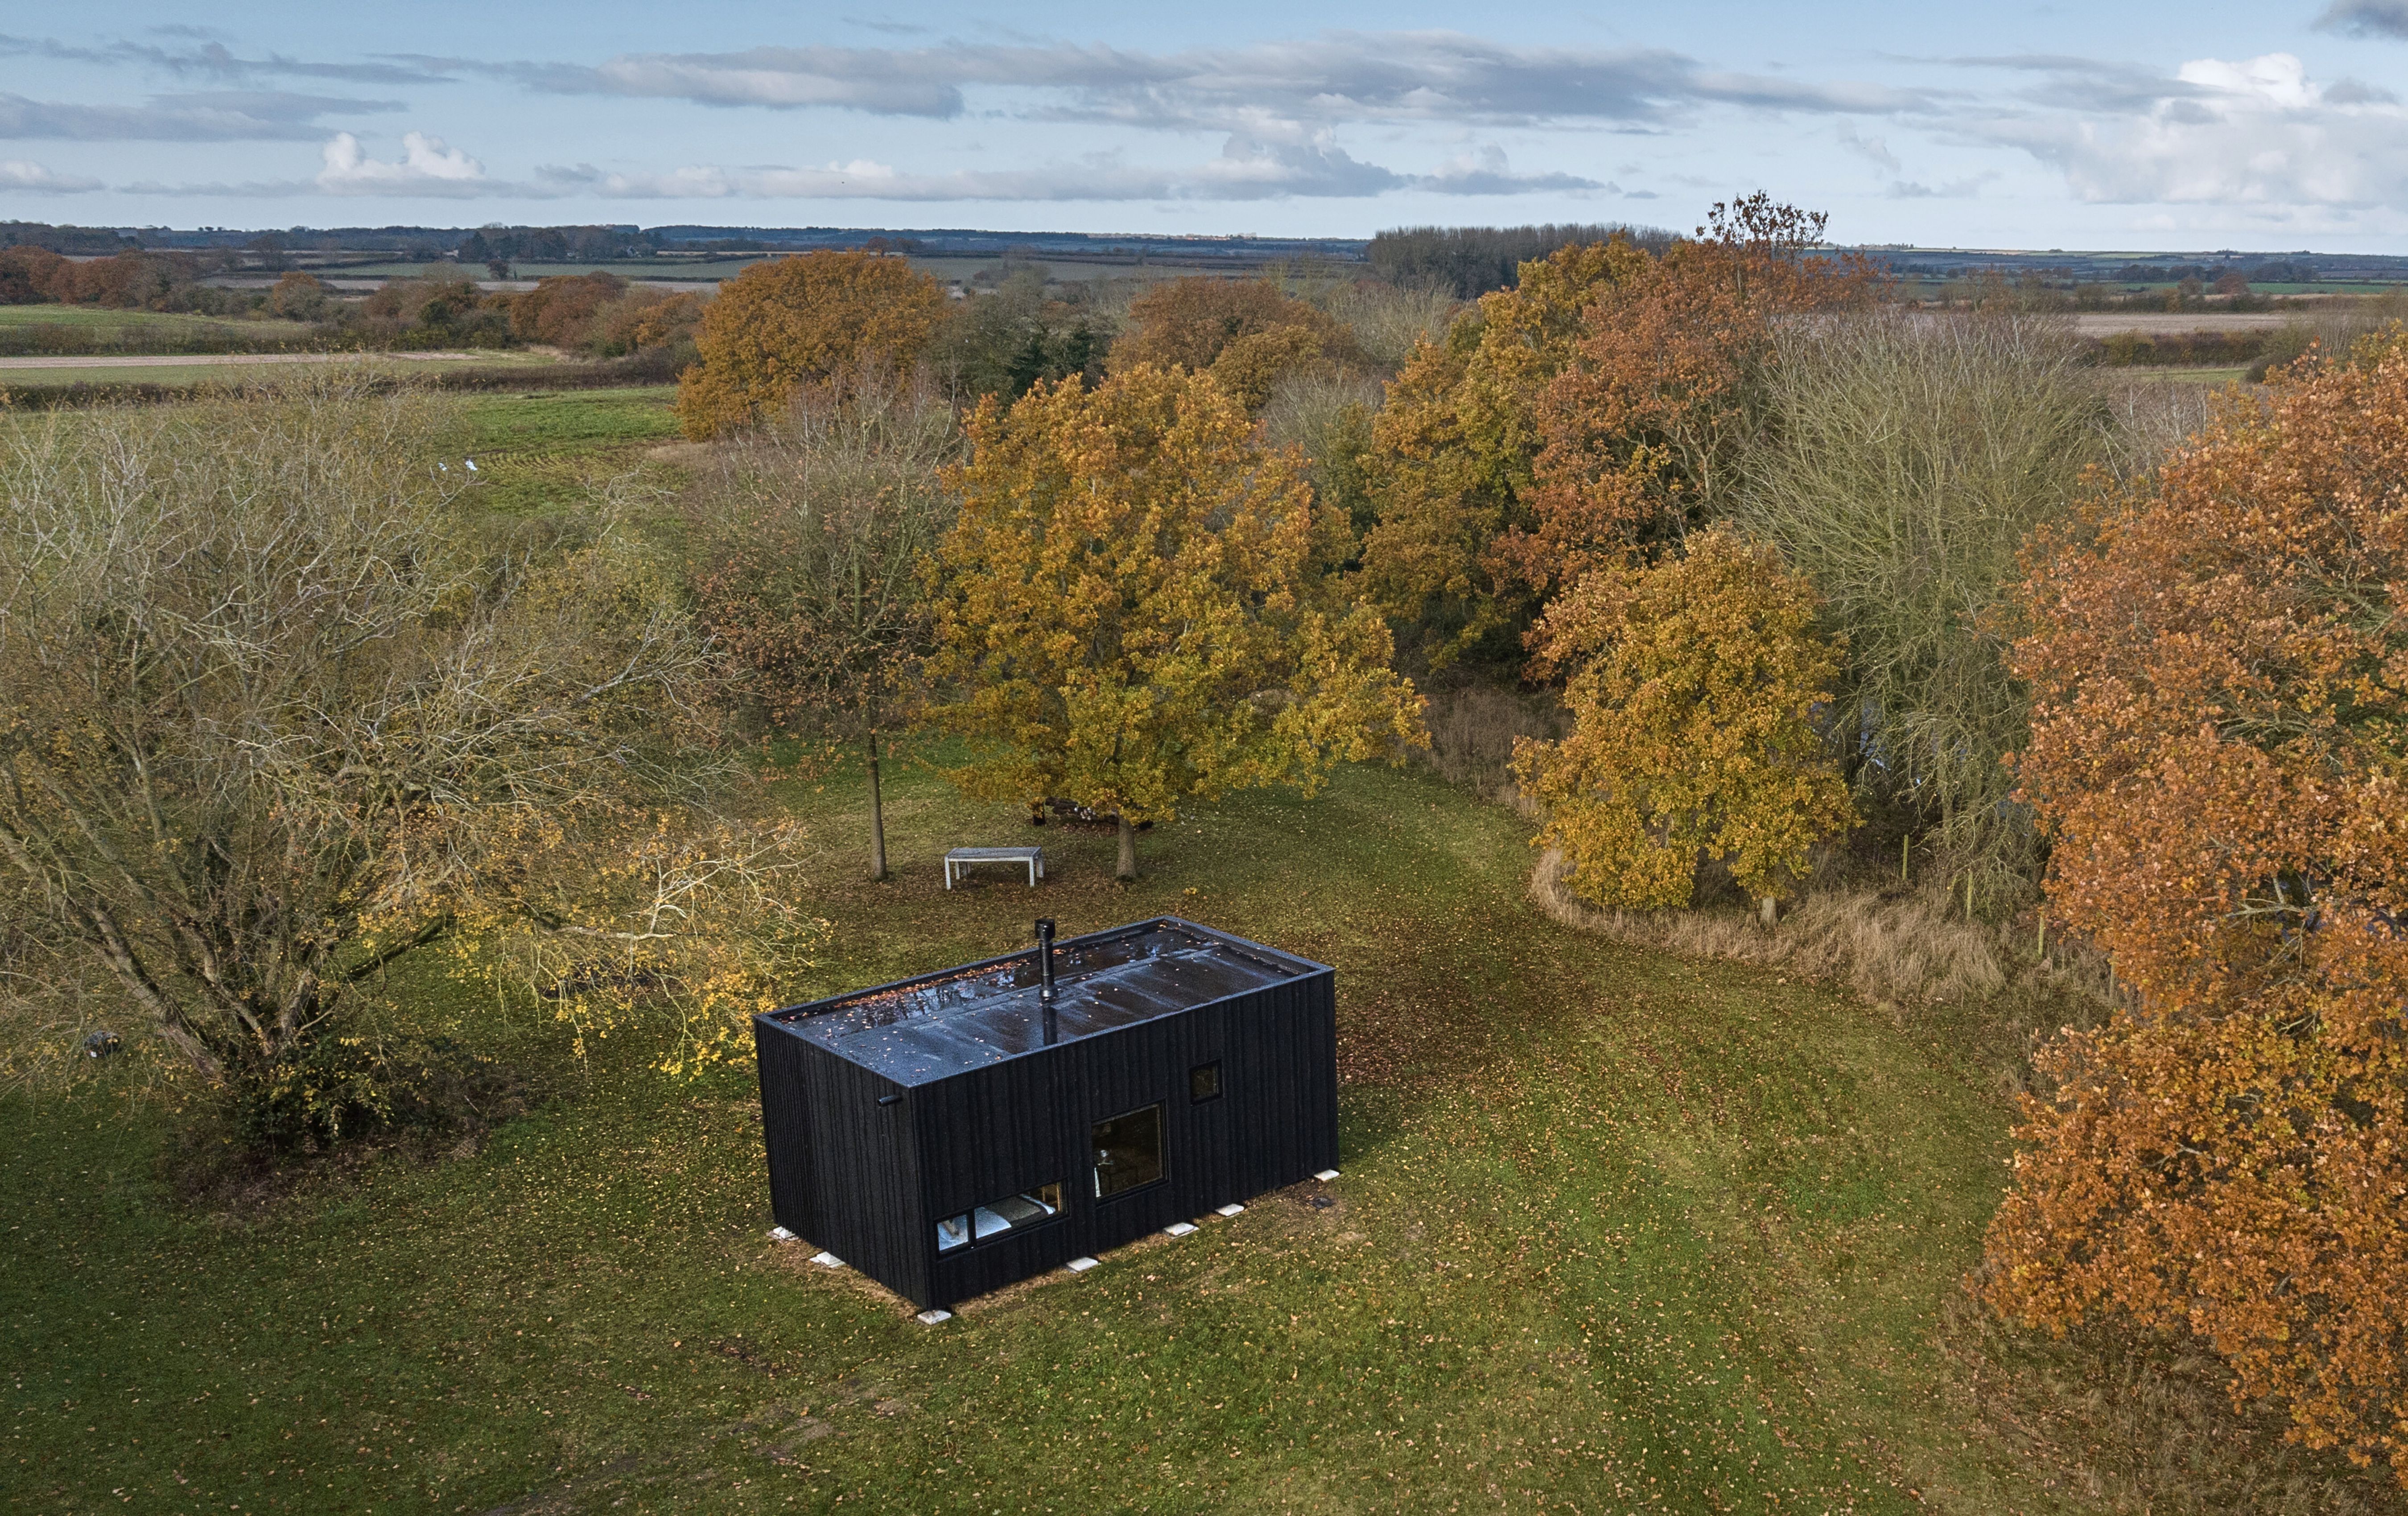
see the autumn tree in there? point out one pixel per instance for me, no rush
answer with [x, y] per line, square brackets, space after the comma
[250, 758]
[1692, 686]
[29, 274]
[1589, 416]
[560, 309]
[807, 539]
[1665, 391]
[2220, 752]
[1453, 449]
[1128, 619]
[1247, 333]
[789, 321]
[300, 297]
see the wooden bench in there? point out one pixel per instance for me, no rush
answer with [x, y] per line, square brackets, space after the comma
[959, 862]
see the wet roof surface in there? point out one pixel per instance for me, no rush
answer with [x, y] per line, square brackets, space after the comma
[926, 1029]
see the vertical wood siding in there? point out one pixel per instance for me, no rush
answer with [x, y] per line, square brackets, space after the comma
[869, 1182]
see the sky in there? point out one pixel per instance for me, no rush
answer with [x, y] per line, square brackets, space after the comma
[2273, 125]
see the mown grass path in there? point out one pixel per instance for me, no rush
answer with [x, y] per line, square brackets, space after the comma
[1616, 1232]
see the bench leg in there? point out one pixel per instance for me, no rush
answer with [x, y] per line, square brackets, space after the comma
[949, 873]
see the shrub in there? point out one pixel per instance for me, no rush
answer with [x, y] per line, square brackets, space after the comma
[1913, 457]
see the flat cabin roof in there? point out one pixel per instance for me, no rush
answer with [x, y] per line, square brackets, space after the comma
[966, 1018]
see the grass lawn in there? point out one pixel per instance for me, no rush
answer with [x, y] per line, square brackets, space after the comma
[539, 451]
[1616, 1232]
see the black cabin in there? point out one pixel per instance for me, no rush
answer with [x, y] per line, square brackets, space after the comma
[953, 1133]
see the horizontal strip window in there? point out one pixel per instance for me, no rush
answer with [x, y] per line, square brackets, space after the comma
[1000, 1218]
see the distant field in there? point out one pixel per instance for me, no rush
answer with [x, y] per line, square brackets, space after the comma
[705, 270]
[951, 270]
[2109, 322]
[86, 316]
[16, 374]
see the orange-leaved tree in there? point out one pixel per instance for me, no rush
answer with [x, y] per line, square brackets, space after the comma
[1587, 417]
[2220, 752]
[1454, 445]
[1692, 686]
[789, 321]
[1129, 615]
[1644, 428]
[1245, 331]
[559, 309]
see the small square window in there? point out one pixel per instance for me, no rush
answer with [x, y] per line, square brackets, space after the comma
[1129, 1152]
[953, 1232]
[1204, 1082]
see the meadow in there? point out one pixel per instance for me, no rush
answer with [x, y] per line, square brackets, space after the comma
[1615, 1230]
[1611, 1229]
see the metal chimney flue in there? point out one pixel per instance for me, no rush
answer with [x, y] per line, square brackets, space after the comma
[1045, 976]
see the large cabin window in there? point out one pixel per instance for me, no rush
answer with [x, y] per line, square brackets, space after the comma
[1129, 1152]
[1026, 1208]
[1000, 1218]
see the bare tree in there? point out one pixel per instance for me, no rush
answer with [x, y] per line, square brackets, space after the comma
[807, 541]
[270, 719]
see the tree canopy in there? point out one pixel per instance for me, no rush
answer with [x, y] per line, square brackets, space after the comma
[1245, 332]
[2218, 750]
[1589, 416]
[249, 757]
[1129, 615]
[1692, 685]
[790, 321]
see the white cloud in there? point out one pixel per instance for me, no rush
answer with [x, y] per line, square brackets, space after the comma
[1274, 161]
[1487, 172]
[2258, 132]
[426, 167]
[18, 174]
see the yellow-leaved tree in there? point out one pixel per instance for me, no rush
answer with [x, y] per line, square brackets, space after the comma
[791, 322]
[1128, 617]
[1691, 685]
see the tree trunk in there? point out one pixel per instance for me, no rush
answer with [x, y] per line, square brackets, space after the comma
[1769, 909]
[1127, 868]
[877, 816]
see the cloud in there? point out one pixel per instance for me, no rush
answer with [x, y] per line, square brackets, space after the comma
[211, 60]
[207, 116]
[1337, 77]
[1274, 161]
[1487, 172]
[427, 166]
[1872, 149]
[1962, 189]
[18, 174]
[2366, 17]
[2253, 131]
